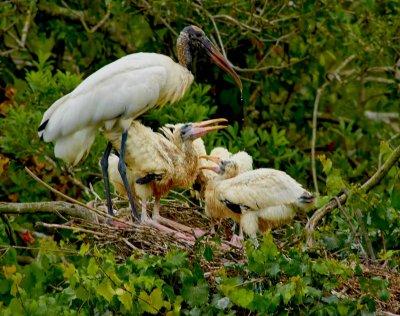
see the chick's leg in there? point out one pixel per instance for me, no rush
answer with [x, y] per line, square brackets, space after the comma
[237, 239]
[143, 215]
[122, 172]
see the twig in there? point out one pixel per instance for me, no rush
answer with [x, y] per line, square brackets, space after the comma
[265, 68]
[9, 230]
[79, 229]
[314, 136]
[379, 80]
[52, 9]
[27, 24]
[103, 214]
[65, 208]
[367, 186]
[364, 233]
[332, 75]
[70, 199]
[233, 20]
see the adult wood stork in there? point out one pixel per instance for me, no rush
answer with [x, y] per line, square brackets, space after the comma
[119, 92]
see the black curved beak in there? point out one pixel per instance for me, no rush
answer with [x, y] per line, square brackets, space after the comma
[220, 60]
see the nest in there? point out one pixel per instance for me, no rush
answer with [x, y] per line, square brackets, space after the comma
[136, 238]
[140, 239]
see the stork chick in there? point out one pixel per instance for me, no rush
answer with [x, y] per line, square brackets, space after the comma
[258, 199]
[165, 161]
[242, 158]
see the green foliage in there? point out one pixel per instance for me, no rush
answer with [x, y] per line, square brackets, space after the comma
[288, 50]
[71, 281]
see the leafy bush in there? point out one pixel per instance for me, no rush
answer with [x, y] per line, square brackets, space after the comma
[288, 53]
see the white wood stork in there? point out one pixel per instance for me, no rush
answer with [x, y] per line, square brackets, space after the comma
[119, 92]
[258, 199]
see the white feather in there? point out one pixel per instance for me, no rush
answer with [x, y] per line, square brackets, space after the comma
[243, 160]
[261, 188]
[74, 147]
[114, 95]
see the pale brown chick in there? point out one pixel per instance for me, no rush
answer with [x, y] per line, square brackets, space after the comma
[164, 161]
[260, 199]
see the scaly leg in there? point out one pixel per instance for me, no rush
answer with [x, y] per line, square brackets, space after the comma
[104, 169]
[143, 216]
[122, 172]
[237, 240]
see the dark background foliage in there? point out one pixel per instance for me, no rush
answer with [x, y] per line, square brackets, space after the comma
[285, 52]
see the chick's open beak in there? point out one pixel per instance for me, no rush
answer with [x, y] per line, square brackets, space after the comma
[217, 160]
[202, 128]
[216, 169]
[221, 61]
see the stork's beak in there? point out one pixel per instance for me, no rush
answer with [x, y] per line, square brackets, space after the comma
[217, 160]
[216, 169]
[202, 128]
[221, 61]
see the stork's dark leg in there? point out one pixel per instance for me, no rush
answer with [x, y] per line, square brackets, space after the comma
[104, 169]
[122, 172]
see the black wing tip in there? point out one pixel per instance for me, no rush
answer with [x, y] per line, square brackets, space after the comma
[149, 178]
[235, 208]
[43, 126]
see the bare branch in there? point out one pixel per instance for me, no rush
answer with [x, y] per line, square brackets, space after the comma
[74, 228]
[331, 76]
[379, 80]
[103, 214]
[233, 20]
[72, 210]
[342, 198]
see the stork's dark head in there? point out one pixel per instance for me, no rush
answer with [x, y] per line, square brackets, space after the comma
[191, 39]
[191, 131]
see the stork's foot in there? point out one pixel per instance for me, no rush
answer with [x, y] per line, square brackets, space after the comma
[118, 224]
[196, 232]
[178, 235]
[236, 241]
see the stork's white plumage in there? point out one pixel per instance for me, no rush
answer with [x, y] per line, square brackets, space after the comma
[258, 199]
[110, 98]
[267, 194]
[119, 92]
[223, 165]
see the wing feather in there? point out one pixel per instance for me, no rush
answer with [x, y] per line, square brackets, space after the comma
[260, 188]
[127, 87]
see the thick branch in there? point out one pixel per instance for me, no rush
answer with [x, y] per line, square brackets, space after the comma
[367, 186]
[64, 208]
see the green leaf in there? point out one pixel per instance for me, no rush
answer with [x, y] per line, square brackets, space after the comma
[126, 299]
[105, 289]
[196, 295]
[241, 297]
[84, 249]
[146, 303]
[92, 267]
[208, 253]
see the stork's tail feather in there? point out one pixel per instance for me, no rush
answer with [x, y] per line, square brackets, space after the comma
[41, 129]
[306, 198]
[74, 147]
